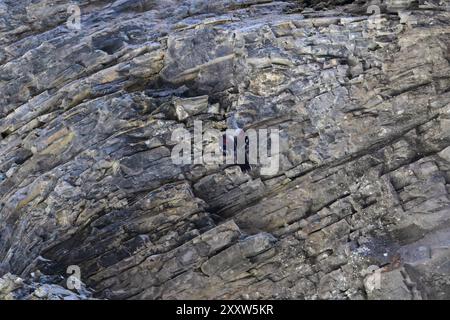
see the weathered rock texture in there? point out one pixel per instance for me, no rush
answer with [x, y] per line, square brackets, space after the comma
[363, 106]
[39, 288]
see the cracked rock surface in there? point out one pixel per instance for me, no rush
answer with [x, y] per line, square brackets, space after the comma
[360, 208]
[38, 287]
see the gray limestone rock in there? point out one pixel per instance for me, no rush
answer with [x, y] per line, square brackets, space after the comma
[362, 105]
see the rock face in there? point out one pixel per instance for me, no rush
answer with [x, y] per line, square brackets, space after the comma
[41, 288]
[360, 207]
